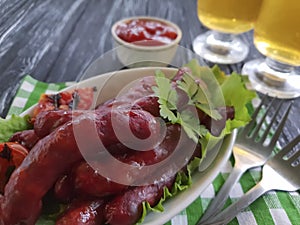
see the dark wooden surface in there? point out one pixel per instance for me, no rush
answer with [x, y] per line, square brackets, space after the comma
[56, 40]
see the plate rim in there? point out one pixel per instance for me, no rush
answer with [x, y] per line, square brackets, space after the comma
[106, 75]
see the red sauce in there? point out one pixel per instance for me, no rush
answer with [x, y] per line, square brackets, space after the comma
[146, 32]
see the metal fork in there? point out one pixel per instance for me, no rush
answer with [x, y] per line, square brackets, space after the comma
[280, 172]
[248, 152]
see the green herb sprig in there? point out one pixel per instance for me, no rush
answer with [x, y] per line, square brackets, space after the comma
[168, 100]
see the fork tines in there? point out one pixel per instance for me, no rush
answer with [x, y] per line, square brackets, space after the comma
[255, 129]
[290, 152]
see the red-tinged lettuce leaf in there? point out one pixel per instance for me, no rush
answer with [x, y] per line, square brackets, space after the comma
[233, 93]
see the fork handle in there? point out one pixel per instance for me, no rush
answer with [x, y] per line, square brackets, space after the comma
[219, 201]
[230, 212]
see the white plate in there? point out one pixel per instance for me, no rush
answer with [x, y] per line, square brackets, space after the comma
[108, 85]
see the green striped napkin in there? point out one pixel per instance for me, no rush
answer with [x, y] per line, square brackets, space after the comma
[29, 93]
[278, 208]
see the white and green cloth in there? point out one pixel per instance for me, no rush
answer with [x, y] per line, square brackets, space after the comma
[274, 208]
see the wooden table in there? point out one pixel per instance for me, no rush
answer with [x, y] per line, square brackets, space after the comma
[56, 41]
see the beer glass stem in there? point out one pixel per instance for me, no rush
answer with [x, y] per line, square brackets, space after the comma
[273, 78]
[223, 48]
[274, 73]
[278, 66]
[219, 43]
[223, 36]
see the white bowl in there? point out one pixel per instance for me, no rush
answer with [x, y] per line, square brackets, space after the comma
[133, 55]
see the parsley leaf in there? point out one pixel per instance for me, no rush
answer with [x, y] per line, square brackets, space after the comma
[167, 97]
[195, 89]
[191, 125]
[168, 100]
[199, 95]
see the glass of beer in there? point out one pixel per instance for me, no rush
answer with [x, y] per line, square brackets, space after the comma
[225, 19]
[277, 36]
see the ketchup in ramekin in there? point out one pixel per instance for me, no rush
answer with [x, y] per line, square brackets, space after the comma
[146, 32]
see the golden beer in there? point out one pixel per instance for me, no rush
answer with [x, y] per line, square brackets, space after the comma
[229, 16]
[277, 31]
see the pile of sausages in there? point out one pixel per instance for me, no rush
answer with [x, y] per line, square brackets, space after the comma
[56, 164]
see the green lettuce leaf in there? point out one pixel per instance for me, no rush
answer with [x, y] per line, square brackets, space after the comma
[45, 221]
[10, 126]
[235, 94]
[182, 182]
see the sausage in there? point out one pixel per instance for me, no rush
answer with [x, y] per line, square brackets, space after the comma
[88, 182]
[27, 138]
[88, 212]
[29, 183]
[149, 104]
[63, 188]
[48, 159]
[47, 121]
[143, 87]
[141, 123]
[140, 96]
[159, 152]
[56, 153]
[126, 208]
[128, 126]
